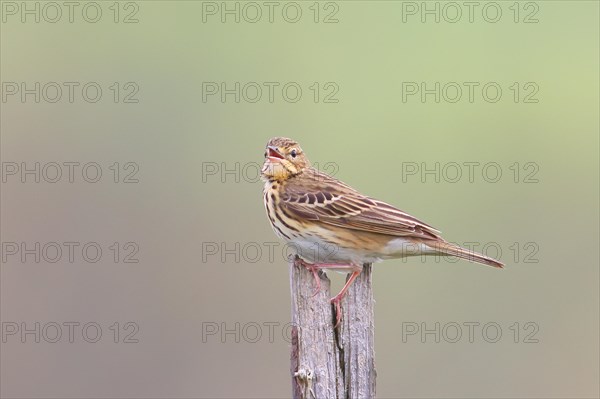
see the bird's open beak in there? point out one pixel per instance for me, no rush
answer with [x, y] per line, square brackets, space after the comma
[273, 154]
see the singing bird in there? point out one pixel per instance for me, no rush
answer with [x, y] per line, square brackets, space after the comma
[333, 226]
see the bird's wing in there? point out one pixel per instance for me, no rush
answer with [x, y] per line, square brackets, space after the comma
[327, 200]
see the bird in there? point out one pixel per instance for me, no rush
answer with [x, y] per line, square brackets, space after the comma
[333, 226]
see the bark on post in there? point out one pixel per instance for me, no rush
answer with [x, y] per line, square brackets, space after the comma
[331, 363]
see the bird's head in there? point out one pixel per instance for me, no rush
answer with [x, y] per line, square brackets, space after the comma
[283, 159]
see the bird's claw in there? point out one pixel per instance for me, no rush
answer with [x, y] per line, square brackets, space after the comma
[336, 302]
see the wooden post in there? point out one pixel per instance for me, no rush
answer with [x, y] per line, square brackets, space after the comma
[331, 363]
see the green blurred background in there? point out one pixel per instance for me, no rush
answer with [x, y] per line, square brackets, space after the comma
[178, 290]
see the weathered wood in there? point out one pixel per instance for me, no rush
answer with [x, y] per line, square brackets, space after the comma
[315, 358]
[326, 362]
[357, 338]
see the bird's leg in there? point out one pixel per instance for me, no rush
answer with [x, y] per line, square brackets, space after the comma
[314, 269]
[336, 300]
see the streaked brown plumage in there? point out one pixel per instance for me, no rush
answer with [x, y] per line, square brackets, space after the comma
[333, 226]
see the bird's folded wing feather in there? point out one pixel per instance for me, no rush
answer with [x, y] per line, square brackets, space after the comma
[331, 202]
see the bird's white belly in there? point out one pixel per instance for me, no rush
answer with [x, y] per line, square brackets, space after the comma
[313, 249]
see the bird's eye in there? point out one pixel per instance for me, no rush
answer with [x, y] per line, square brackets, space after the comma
[293, 153]
[265, 154]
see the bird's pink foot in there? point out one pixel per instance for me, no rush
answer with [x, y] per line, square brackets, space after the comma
[314, 269]
[336, 301]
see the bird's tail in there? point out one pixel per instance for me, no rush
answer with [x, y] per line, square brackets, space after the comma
[446, 248]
